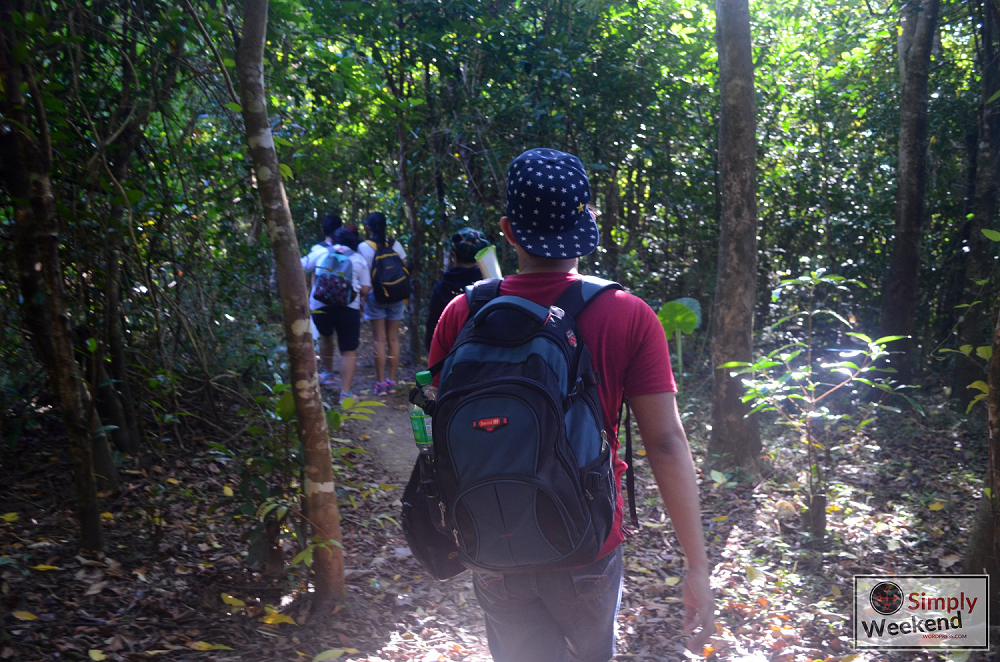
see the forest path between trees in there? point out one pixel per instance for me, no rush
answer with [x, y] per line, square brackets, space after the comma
[401, 612]
[388, 436]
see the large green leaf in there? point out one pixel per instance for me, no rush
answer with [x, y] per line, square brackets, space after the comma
[694, 306]
[675, 316]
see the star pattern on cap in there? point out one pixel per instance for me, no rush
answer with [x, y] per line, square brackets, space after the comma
[537, 185]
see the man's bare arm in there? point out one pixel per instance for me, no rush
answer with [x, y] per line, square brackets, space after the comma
[670, 460]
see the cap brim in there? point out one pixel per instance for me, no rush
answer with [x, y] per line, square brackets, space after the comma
[579, 240]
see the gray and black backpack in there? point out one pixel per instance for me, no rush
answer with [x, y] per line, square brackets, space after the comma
[522, 466]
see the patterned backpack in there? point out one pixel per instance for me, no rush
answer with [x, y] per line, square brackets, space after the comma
[335, 278]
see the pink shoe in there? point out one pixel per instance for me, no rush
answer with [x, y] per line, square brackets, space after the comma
[379, 389]
[390, 386]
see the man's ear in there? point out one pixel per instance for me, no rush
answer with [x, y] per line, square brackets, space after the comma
[508, 233]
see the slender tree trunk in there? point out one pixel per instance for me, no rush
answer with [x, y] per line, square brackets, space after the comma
[27, 160]
[114, 322]
[610, 216]
[735, 440]
[416, 242]
[438, 152]
[899, 301]
[983, 552]
[972, 330]
[105, 400]
[954, 264]
[328, 563]
[121, 389]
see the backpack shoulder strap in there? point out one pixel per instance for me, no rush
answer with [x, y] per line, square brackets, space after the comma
[478, 295]
[481, 293]
[630, 472]
[581, 292]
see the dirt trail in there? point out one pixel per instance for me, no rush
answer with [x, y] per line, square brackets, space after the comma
[389, 438]
[453, 625]
[391, 441]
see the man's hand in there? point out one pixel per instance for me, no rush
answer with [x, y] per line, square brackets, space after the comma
[699, 609]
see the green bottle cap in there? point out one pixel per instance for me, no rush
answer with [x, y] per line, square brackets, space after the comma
[424, 377]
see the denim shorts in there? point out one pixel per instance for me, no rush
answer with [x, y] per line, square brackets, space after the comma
[383, 311]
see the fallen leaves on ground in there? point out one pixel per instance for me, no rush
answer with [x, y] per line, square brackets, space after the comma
[174, 582]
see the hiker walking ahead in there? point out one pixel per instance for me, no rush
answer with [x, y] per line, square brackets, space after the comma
[568, 614]
[464, 245]
[340, 283]
[385, 304]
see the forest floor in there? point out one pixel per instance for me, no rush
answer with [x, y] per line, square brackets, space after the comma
[175, 583]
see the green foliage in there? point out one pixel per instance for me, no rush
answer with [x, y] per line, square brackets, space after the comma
[270, 466]
[814, 389]
[678, 317]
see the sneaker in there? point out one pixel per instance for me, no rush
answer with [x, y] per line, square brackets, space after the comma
[390, 386]
[327, 379]
[379, 389]
[344, 396]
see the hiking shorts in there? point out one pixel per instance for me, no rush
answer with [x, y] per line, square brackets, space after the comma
[383, 311]
[555, 615]
[345, 321]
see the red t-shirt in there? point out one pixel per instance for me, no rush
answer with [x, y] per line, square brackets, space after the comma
[622, 333]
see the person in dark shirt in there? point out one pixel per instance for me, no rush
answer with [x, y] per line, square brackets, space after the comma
[464, 245]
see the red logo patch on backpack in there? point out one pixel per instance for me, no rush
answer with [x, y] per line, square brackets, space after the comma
[571, 338]
[489, 424]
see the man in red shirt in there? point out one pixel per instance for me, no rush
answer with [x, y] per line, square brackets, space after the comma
[553, 616]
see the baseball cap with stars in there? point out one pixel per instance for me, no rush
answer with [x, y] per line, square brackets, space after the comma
[547, 196]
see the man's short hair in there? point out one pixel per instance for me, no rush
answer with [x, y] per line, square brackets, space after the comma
[330, 224]
[345, 237]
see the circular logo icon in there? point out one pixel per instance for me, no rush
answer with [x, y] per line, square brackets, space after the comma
[886, 598]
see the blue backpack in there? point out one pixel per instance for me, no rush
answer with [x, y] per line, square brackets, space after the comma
[335, 278]
[522, 469]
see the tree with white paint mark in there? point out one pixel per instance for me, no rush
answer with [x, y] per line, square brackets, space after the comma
[321, 499]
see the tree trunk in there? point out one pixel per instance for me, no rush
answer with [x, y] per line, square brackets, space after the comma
[899, 301]
[121, 388]
[983, 551]
[609, 219]
[105, 399]
[120, 152]
[328, 563]
[438, 155]
[954, 265]
[972, 329]
[27, 161]
[416, 242]
[735, 440]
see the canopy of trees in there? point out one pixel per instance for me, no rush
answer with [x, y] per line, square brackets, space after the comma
[137, 284]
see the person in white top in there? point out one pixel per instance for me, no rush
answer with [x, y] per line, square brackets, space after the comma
[385, 317]
[345, 320]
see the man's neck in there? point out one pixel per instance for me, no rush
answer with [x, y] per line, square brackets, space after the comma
[537, 265]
